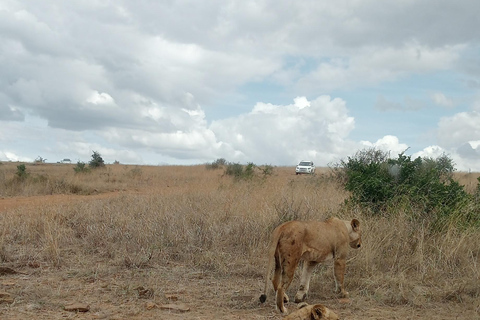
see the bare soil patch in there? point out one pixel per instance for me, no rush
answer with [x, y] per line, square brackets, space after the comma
[206, 297]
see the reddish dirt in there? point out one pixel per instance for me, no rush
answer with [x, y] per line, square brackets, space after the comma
[42, 292]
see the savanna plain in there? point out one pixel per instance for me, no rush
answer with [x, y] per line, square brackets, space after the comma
[189, 242]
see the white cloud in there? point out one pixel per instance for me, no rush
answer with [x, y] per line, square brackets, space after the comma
[388, 143]
[10, 156]
[430, 152]
[100, 98]
[132, 79]
[441, 100]
[458, 137]
[376, 64]
[458, 129]
[284, 134]
[474, 144]
[465, 157]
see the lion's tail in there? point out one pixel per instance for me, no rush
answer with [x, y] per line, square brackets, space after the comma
[271, 261]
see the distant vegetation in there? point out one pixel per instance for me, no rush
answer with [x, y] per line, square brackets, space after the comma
[97, 161]
[217, 164]
[22, 171]
[239, 171]
[81, 167]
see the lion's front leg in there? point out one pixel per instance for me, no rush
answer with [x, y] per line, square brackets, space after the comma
[339, 272]
[308, 267]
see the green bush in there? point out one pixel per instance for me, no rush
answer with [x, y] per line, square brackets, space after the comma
[234, 169]
[248, 172]
[423, 185]
[80, 167]
[21, 171]
[217, 164]
[97, 161]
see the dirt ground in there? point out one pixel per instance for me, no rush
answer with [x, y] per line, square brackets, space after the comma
[114, 292]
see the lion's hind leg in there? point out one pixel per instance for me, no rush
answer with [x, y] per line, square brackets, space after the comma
[302, 292]
[288, 270]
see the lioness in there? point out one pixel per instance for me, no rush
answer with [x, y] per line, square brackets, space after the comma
[312, 312]
[313, 242]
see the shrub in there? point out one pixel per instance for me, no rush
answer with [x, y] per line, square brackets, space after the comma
[80, 167]
[21, 171]
[240, 172]
[267, 170]
[426, 186]
[248, 172]
[234, 169]
[217, 164]
[97, 161]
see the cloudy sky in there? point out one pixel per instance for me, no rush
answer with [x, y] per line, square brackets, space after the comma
[268, 82]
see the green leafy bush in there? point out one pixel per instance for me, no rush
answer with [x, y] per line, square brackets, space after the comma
[21, 171]
[97, 161]
[423, 186]
[80, 167]
[235, 170]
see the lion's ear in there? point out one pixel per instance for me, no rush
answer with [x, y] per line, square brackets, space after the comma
[355, 225]
[317, 312]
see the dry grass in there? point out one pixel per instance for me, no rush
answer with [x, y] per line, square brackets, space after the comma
[187, 215]
[469, 180]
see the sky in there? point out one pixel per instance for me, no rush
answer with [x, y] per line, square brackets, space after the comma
[270, 82]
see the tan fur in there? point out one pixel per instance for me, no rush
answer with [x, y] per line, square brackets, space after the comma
[312, 312]
[313, 242]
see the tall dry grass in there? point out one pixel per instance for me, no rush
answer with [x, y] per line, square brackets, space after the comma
[208, 221]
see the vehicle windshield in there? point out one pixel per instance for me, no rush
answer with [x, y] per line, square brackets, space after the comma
[305, 163]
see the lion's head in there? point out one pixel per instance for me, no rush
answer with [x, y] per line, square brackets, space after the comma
[355, 234]
[312, 312]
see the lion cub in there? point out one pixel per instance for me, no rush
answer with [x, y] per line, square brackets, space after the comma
[312, 312]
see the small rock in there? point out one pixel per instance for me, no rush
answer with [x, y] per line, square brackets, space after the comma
[149, 305]
[171, 297]
[100, 315]
[77, 307]
[175, 307]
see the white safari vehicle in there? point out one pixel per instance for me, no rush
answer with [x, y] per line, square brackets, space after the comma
[305, 166]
